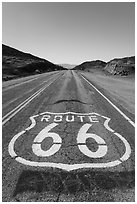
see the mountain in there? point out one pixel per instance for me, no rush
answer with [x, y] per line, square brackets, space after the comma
[87, 66]
[121, 66]
[68, 66]
[118, 66]
[17, 64]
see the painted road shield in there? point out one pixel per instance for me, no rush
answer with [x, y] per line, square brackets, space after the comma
[69, 141]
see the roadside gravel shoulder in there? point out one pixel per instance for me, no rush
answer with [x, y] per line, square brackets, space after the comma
[120, 91]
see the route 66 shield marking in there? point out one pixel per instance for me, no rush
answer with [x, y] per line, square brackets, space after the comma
[49, 126]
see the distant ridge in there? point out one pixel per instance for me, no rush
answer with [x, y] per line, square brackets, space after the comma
[17, 64]
[68, 66]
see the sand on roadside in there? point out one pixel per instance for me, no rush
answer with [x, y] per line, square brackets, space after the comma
[120, 88]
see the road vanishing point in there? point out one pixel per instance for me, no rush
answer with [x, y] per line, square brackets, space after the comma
[64, 140]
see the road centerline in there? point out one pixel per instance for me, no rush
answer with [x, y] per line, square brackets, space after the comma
[24, 103]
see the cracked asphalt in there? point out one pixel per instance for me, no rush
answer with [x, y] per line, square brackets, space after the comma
[63, 142]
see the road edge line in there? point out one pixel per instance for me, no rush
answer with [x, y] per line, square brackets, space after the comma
[114, 106]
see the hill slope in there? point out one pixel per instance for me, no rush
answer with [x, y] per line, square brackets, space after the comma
[121, 66]
[86, 66]
[18, 64]
[118, 66]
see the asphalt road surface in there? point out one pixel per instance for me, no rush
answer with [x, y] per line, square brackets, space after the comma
[64, 140]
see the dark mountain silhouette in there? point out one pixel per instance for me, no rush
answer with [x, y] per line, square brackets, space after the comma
[19, 64]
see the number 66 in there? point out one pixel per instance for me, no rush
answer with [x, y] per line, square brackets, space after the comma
[57, 141]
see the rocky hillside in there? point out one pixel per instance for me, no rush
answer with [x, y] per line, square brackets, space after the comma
[18, 64]
[86, 66]
[121, 66]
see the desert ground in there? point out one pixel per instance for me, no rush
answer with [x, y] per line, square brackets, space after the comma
[120, 89]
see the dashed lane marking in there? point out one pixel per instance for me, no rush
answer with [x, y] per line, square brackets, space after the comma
[127, 118]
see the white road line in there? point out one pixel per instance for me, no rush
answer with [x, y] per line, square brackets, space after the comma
[20, 104]
[23, 104]
[5, 105]
[127, 118]
[14, 85]
[24, 101]
[8, 103]
[18, 84]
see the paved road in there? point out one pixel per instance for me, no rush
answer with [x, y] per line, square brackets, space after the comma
[63, 140]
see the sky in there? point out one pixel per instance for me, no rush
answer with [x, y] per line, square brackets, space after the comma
[70, 32]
